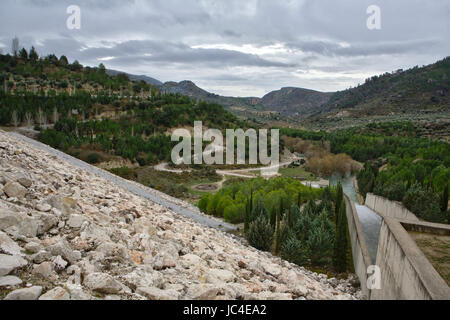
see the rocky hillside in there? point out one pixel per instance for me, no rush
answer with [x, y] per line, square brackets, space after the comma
[67, 234]
[410, 94]
[294, 101]
[190, 89]
[137, 78]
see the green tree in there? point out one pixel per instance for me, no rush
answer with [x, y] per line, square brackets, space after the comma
[63, 61]
[320, 240]
[338, 201]
[23, 54]
[340, 242]
[33, 55]
[260, 234]
[202, 203]
[424, 203]
[444, 199]
[293, 251]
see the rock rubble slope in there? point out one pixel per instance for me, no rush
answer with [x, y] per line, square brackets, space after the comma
[68, 234]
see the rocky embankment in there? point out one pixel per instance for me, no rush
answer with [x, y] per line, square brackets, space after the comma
[68, 234]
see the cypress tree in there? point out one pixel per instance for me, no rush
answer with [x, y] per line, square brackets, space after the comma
[340, 242]
[273, 217]
[444, 199]
[339, 199]
[299, 200]
[277, 232]
[247, 216]
[251, 201]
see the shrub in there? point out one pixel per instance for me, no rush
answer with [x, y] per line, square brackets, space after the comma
[424, 203]
[234, 213]
[93, 158]
[202, 203]
[395, 191]
[212, 204]
[260, 234]
[222, 204]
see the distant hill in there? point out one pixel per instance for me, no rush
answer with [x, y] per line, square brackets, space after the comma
[286, 101]
[424, 90]
[403, 95]
[294, 101]
[190, 89]
[134, 77]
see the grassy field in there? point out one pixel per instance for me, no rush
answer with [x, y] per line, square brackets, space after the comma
[437, 250]
[177, 185]
[298, 173]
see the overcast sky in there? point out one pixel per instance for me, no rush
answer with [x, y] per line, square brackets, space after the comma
[237, 47]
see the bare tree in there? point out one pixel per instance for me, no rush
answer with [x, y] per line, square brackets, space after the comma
[15, 46]
[29, 119]
[42, 118]
[55, 115]
[15, 118]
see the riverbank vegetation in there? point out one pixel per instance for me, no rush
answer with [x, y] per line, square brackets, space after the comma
[398, 164]
[412, 170]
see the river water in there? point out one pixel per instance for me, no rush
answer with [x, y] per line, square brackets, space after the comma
[369, 220]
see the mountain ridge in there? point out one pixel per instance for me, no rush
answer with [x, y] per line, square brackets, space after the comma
[409, 91]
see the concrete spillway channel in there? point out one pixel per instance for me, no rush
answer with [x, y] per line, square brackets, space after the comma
[164, 200]
[369, 220]
[371, 226]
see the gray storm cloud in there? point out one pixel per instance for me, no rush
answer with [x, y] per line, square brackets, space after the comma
[237, 47]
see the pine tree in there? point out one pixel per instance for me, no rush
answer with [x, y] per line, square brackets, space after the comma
[260, 234]
[23, 54]
[33, 55]
[293, 216]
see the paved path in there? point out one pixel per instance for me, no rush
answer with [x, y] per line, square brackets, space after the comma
[160, 198]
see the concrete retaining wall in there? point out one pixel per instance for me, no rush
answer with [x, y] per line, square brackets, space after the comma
[406, 274]
[389, 208]
[361, 256]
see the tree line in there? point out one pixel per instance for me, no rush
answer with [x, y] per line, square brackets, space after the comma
[303, 225]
